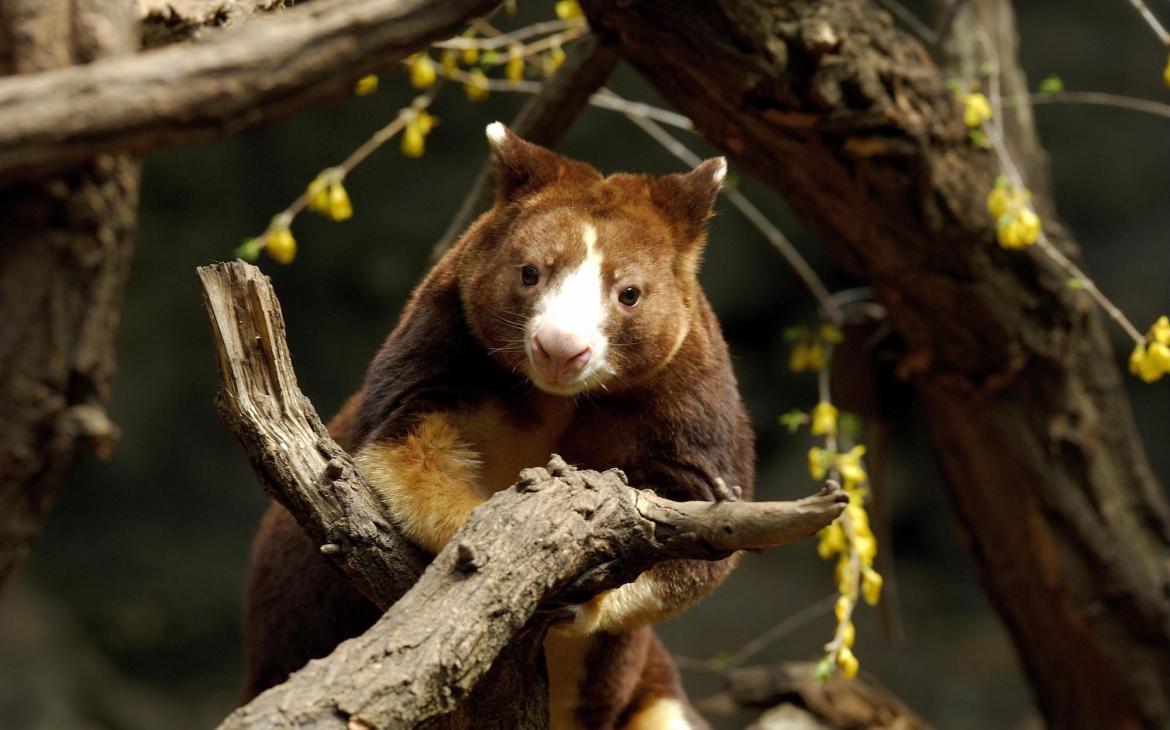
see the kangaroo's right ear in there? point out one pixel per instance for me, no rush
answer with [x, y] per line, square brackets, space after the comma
[523, 169]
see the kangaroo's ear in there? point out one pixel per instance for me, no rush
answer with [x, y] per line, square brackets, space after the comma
[523, 169]
[688, 198]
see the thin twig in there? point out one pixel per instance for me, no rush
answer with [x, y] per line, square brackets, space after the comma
[994, 132]
[1151, 20]
[1047, 247]
[506, 39]
[820, 292]
[1098, 98]
[916, 26]
[758, 643]
[284, 218]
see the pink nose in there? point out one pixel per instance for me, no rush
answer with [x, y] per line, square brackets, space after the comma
[559, 355]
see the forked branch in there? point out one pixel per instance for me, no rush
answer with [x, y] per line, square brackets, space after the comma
[558, 534]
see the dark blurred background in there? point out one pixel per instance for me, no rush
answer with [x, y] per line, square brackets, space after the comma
[128, 613]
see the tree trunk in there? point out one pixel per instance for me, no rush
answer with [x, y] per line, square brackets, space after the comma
[853, 124]
[65, 247]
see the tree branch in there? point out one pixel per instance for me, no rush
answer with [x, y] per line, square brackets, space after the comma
[860, 703]
[558, 534]
[271, 68]
[173, 21]
[543, 120]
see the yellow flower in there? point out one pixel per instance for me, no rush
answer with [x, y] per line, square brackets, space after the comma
[1160, 330]
[426, 121]
[1166, 73]
[340, 208]
[1159, 355]
[281, 246]
[366, 85]
[515, 68]
[806, 355]
[1147, 364]
[422, 71]
[816, 463]
[866, 548]
[832, 541]
[469, 55]
[413, 144]
[319, 193]
[976, 110]
[871, 586]
[554, 59]
[998, 200]
[476, 86]
[449, 62]
[568, 10]
[841, 608]
[847, 663]
[328, 196]
[849, 464]
[824, 419]
[1019, 230]
[846, 576]
[848, 633]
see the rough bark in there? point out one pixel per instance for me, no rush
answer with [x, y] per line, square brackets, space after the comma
[65, 247]
[852, 123]
[558, 534]
[543, 120]
[859, 704]
[172, 21]
[269, 69]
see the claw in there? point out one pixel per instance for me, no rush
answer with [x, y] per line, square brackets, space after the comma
[724, 493]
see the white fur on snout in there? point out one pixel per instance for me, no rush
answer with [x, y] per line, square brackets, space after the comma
[576, 305]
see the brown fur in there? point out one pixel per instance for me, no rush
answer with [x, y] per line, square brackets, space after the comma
[447, 416]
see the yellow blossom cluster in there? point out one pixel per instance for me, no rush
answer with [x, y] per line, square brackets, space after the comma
[327, 195]
[1017, 225]
[811, 346]
[976, 110]
[849, 539]
[1166, 73]
[415, 133]
[1151, 359]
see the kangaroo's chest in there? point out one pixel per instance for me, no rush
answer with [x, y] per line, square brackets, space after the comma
[507, 440]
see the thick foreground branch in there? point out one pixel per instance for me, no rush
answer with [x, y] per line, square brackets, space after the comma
[269, 69]
[558, 534]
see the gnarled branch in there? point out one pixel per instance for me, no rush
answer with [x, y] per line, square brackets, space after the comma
[558, 534]
[269, 69]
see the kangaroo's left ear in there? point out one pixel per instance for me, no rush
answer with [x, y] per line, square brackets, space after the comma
[689, 198]
[523, 168]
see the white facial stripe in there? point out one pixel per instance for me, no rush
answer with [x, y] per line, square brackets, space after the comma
[577, 304]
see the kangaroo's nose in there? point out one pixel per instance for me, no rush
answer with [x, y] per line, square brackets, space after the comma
[560, 355]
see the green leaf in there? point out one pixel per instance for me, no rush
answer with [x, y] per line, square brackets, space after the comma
[250, 249]
[1051, 84]
[851, 426]
[978, 140]
[793, 420]
[490, 58]
[1076, 283]
[796, 333]
[824, 670]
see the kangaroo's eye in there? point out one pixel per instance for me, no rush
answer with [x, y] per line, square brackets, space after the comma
[629, 296]
[529, 275]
